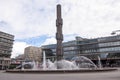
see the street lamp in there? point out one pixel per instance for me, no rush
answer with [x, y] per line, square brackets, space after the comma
[114, 32]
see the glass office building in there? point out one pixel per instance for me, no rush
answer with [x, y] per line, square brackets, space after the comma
[6, 43]
[69, 49]
[107, 48]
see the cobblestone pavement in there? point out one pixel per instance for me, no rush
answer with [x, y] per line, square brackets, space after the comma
[114, 75]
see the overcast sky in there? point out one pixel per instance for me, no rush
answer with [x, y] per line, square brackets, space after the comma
[33, 21]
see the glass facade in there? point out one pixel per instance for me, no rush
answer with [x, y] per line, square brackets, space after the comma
[69, 49]
[51, 46]
[117, 43]
[104, 47]
[110, 49]
[88, 46]
[109, 44]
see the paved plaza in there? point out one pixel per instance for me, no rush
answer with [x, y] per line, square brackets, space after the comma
[114, 75]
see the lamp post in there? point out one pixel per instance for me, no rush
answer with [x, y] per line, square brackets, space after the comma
[114, 32]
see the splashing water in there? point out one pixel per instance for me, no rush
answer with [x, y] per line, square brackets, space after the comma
[62, 64]
[78, 62]
[99, 63]
[84, 62]
[44, 61]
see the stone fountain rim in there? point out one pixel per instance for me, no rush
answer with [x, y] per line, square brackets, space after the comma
[61, 71]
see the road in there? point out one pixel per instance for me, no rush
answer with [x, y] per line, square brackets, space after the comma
[114, 75]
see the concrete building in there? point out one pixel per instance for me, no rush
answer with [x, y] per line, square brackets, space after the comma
[33, 53]
[6, 44]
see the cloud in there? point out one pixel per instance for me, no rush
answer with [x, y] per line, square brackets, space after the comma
[18, 48]
[27, 18]
[92, 18]
[50, 40]
[32, 18]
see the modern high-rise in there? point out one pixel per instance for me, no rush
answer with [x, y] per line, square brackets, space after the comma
[6, 45]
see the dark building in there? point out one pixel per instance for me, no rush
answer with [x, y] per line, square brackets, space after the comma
[6, 44]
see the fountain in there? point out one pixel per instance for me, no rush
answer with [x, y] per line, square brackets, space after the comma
[76, 65]
[99, 63]
[35, 65]
[44, 61]
[84, 62]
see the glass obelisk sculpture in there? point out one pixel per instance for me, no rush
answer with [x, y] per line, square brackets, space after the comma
[59, 35]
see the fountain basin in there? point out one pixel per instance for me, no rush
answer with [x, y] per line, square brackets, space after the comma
[62, 71]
